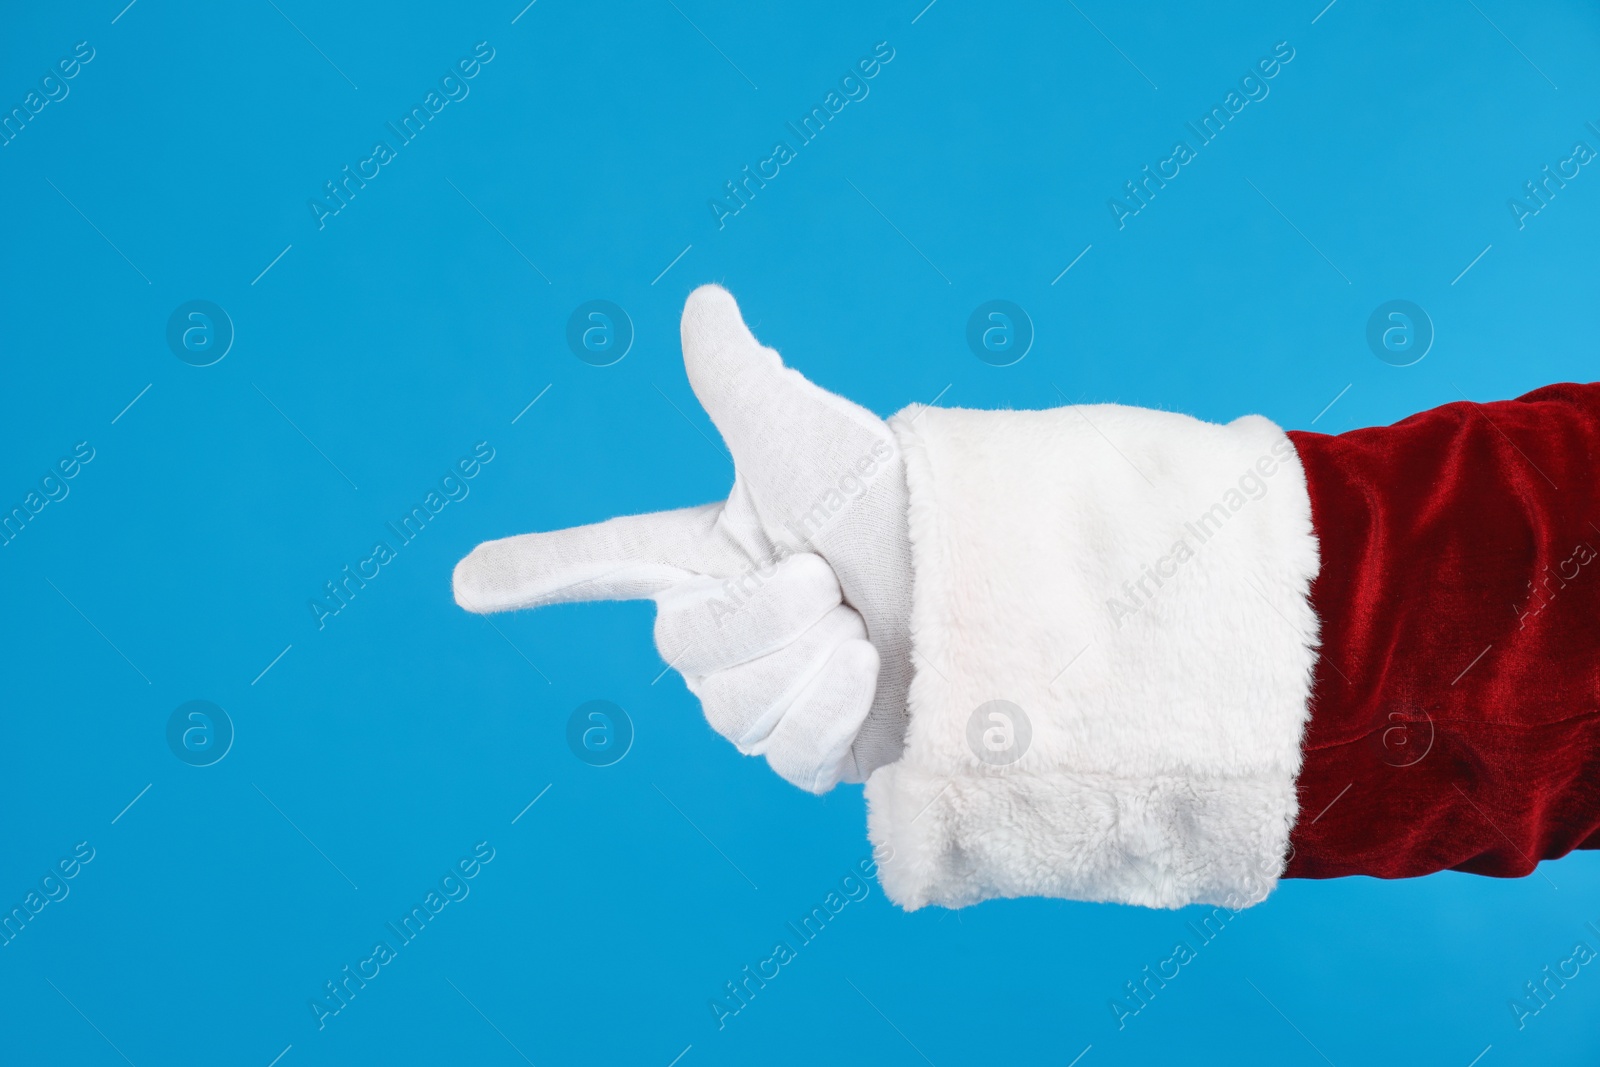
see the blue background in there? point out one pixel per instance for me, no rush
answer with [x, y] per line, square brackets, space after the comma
[379, 349]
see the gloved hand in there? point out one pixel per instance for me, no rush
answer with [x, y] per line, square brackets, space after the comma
[787, 607]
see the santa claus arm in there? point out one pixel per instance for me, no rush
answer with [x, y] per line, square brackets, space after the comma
[1454, 721]
[1165, 662]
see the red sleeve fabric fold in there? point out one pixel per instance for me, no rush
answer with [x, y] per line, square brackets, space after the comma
[1454, 720]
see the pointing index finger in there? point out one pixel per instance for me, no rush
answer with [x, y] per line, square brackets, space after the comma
[626, 558]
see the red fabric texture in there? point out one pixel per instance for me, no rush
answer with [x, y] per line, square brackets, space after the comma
[1454, 720]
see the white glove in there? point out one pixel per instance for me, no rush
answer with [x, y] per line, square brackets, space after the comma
[787, 607]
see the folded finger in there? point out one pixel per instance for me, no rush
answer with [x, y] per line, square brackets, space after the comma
[709, 624]
[810, 743]
[745, 702]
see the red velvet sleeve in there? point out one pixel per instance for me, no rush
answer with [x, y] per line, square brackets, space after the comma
[1453, 718]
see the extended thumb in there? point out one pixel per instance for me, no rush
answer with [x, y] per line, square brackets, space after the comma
[762, 408]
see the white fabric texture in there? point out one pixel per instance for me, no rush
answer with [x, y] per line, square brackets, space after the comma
[785, 607]
[1133, 586]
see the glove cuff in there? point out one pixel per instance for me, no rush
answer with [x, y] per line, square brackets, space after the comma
[1114, 648]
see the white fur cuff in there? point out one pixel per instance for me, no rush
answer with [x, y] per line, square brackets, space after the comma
[1113, 645]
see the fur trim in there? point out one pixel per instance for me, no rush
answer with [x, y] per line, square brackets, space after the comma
[1114, 648]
